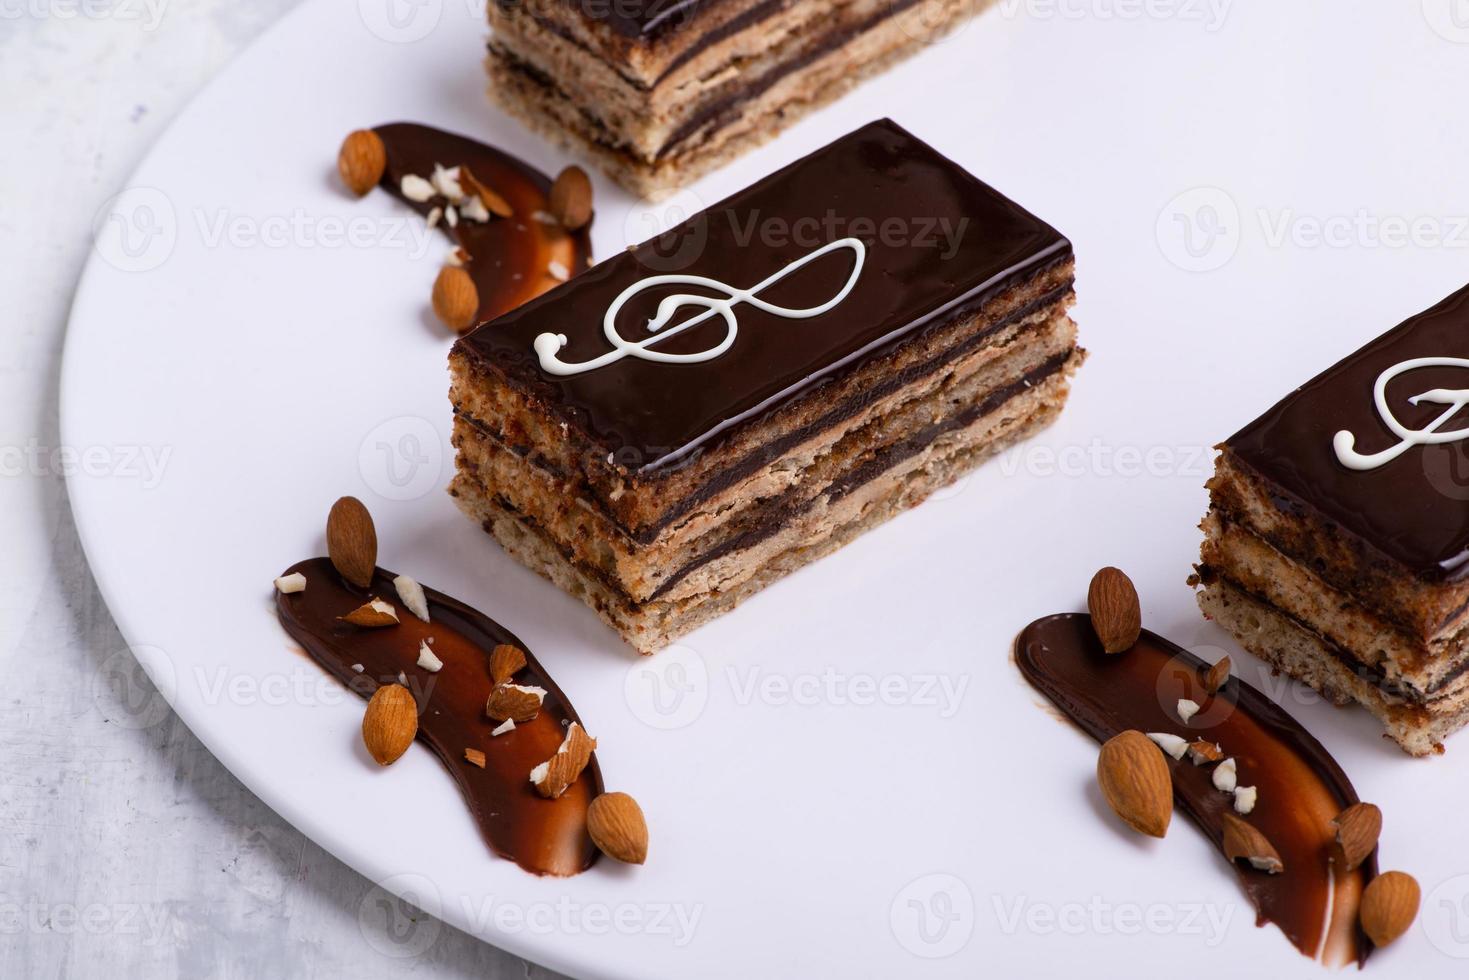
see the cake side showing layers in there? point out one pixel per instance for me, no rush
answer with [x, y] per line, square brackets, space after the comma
[1297, 651]
[846, 513]
[1336, 538]
[891, 457]
[785, 487]
[657, 113]
[663, 444]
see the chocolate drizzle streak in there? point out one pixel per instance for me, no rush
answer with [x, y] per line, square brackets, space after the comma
[509, 258]
[1301, 787]
[542, 836]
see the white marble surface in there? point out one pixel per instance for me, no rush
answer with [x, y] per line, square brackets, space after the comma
[125, 848]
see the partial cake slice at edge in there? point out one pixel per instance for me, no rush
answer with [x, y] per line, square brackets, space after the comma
[1300, 653]
[726, 125]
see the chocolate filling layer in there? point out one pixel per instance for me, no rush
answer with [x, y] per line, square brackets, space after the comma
[722, 111]
[706, 40]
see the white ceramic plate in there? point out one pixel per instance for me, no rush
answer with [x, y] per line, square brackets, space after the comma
[847, 776]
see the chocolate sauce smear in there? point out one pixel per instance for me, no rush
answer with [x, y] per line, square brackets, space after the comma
[510, 259]
[547, 837]
[1301, 787]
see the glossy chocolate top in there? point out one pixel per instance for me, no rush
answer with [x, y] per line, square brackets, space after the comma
[541, 835]
[509, 259]
[937, 241]
[642, 19]
[1301, 787]
[1415, 508]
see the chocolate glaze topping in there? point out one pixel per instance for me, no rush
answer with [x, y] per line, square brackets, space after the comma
[1413, 509]
[939, 244]
[542, 836]
[642, 19]
[509, 258]
[1301, 787]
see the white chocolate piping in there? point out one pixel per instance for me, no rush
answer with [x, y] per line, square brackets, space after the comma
[548, 345]
[1344, 442]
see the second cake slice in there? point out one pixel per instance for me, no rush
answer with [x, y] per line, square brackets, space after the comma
[697, 417]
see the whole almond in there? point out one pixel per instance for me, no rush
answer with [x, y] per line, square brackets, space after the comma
[506, 660]
[616, 825]
[1217, 675]
[571, 198]
[1116, 614]
[1244, 842]
[351, 541]
[515, 703]
[1136, 783]
[362, 160]
[493, 202]
[390, 724]
[1389, 906]
[1357, 830]
[456, 301]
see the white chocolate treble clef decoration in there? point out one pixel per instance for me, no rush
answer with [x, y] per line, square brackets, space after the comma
[548, 345]
[1345, 442]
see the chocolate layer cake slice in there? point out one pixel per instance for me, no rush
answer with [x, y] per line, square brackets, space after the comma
[1337, 541]
[659, 91]
[689, 421]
